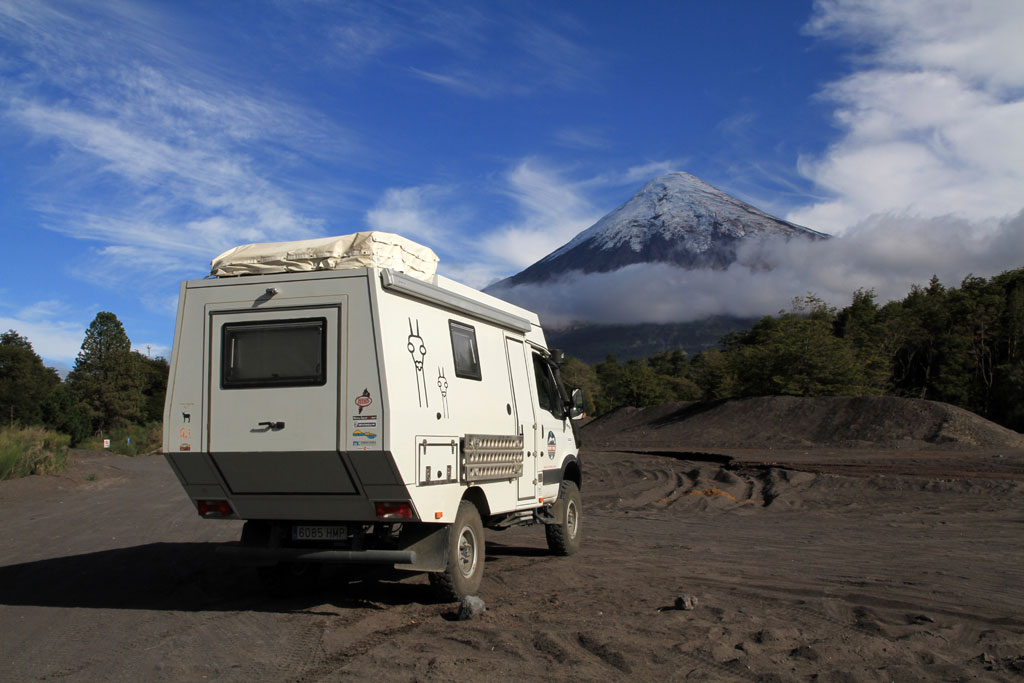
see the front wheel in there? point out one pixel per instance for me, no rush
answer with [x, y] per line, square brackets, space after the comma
[564, 535]
[465, 567]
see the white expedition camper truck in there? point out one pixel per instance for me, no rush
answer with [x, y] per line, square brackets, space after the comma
[355, 407]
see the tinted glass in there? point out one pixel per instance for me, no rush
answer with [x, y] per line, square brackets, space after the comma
[274, 353]
[547, 393]
[467, 360]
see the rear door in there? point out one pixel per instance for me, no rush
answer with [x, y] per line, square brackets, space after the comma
[274, 384]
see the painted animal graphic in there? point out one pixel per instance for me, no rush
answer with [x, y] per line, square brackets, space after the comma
[442, 384]
[418, 351]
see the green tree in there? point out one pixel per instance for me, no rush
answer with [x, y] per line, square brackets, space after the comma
[796, 354]
[63, 412]
[25, 383]
[633, 384]
[106, 377]
[578, 375]
[713, 375]
[154, 372]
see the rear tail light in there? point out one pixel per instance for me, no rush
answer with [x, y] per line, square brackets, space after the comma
[214, 508]
[394, 511]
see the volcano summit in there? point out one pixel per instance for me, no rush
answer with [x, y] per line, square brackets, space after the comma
[676, 218]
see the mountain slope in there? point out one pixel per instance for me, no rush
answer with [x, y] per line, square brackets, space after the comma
[675, 218]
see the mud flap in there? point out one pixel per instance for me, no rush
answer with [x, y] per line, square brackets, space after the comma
[429, 543]
[551, 514]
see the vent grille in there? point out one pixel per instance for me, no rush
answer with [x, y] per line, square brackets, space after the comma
[492, 457]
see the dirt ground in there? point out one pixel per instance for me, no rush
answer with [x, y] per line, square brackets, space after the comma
[824, 565]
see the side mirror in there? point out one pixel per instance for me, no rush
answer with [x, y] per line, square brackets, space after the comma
[579, 405]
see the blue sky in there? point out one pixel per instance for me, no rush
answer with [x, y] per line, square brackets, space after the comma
[141, 139]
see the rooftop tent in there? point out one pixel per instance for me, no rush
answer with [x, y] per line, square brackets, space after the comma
[359, 250]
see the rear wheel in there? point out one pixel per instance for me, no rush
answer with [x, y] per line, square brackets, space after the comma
[564, 535]
[465, 567]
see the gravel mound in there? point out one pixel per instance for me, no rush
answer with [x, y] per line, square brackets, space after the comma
[792, 422]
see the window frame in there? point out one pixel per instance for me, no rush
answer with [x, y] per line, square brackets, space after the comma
[269, 383]
[541, 366]
[475, 348]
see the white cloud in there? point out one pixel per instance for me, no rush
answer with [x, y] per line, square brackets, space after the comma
[886, 253]
[931, 118]
[148, 152]
[54, 340]
[651, 170]
[553, 210]
[979, 38]
[411, 213]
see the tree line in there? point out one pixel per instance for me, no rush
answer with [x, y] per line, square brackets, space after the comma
[961, 345]
[109, 388]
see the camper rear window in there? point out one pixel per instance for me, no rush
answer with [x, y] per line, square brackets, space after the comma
[275, 353]
[467, 360]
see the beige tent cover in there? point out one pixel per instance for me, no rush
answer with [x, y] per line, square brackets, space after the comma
[362, 249]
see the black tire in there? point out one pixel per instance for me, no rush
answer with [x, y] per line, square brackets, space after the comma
[564, 535]
[465, 567]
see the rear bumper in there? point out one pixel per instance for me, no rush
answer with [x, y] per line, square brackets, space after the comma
[268, 556]
[420, 548]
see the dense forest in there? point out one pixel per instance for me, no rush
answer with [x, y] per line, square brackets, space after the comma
[961, 345]
[111, 390]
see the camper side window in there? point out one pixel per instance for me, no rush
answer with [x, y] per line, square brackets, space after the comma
[275, 353]
[467, 360]
[547, 392]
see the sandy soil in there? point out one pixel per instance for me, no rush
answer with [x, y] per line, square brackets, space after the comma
[827, 565]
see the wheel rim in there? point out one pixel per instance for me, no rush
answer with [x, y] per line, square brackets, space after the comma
[572, 519]
[467, 551]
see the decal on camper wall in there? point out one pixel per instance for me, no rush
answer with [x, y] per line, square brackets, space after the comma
[442, 384]
[418, 351]
[363, 400]
[552, 445]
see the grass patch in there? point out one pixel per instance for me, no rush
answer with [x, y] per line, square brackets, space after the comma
[32, 450]
[133, 440]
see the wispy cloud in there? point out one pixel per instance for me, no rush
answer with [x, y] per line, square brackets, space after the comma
[587, 137]
[150, 152]
[414, 212]
[651, 170]
[511, 50]
[552, 210]
[930, 118]
[54, 333]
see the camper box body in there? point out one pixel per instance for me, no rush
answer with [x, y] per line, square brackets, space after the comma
[336, 403]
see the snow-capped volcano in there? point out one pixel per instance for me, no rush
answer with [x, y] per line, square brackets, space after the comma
[675, 218]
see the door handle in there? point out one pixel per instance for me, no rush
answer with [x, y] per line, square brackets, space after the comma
[273, 426]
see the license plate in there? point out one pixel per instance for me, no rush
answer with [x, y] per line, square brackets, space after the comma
[310, 532]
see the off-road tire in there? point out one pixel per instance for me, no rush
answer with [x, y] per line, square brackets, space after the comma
[564, 535]
[465, 567]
